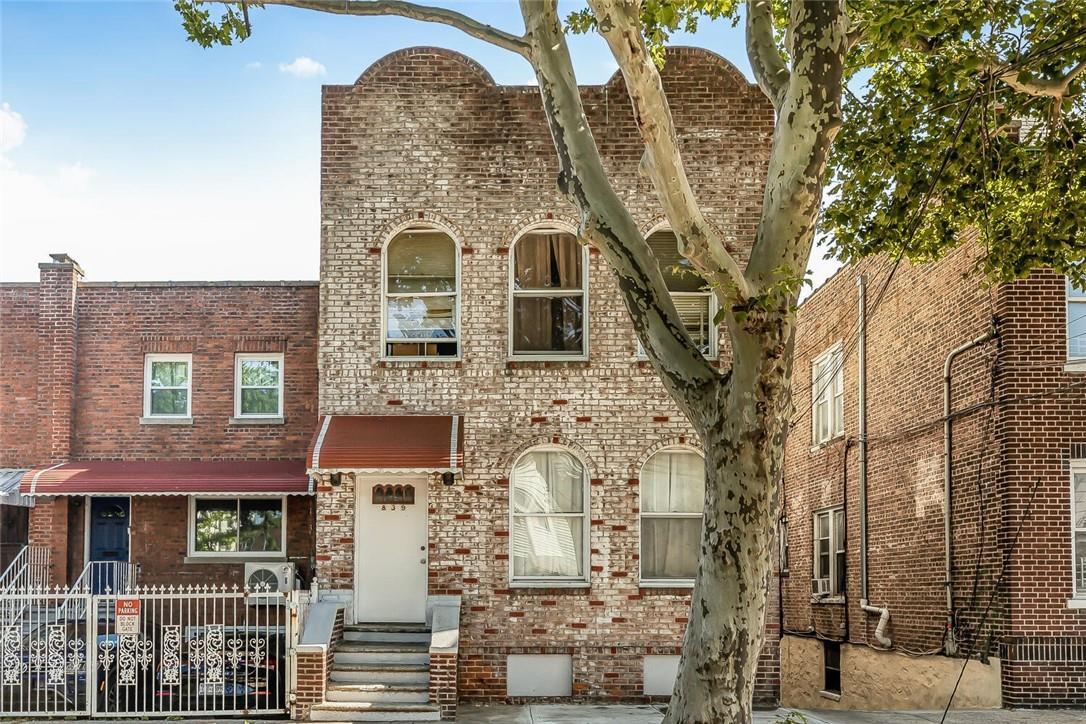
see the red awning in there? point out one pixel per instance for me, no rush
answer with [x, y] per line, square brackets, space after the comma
[389, 443]
[169, 477]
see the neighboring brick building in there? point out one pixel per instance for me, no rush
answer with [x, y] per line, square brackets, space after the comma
[1018, 427]
[425, 152]
[77, 358]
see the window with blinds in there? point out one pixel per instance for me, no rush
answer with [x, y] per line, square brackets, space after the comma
[693, 300]
[421, 295]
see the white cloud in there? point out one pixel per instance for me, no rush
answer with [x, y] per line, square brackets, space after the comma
[255, 65]
[303, 67]
[12, 129]
[75, 176]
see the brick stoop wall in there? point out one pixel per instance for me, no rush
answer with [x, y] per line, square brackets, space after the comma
[443, 683]
[314, 669]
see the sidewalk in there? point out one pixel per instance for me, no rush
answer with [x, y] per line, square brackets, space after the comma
[590, 714]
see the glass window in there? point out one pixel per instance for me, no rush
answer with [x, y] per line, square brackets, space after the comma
[693, 300]
[259, 385]
[421, 295]
[549, 295]
[1078, 522]
[237, 525]
[167, 385]
[672, 500]
[831, 666]
[829, 553]
[1076, 322]
[548, 538]
[827, 396]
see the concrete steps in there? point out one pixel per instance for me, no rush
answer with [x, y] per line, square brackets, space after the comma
[380, 673]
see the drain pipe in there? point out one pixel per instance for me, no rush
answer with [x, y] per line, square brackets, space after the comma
[950, 644]
[861, 363]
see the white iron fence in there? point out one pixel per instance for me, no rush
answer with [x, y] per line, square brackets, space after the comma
[147, 652]
[29, 569]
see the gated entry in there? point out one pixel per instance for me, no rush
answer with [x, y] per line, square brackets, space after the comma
[154, 652]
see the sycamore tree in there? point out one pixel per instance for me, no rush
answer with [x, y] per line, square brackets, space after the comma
[916, 120]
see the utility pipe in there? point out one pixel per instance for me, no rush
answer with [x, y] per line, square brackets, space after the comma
[950, 644]
[861, 363]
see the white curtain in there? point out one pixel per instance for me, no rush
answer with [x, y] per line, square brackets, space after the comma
[546, 482]
[672, 499]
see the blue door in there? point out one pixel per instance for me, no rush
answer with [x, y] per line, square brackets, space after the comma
[108, 540]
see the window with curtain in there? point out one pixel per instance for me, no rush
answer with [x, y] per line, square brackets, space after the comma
[549, 297]
[827, 396]
[688, 291]
[672, 501]
[548, 489]
[421, 295]
[1076, 322]
[1078, 525]
[237, 526]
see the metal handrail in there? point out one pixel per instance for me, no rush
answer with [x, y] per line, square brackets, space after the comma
[121, 579]
[29, 570]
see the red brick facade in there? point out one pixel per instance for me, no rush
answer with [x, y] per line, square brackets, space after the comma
[1016, 416]
[80, 346]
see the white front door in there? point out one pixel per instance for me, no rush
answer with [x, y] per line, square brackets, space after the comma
[390, 550]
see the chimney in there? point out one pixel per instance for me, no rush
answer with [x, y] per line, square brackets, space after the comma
[59, 280]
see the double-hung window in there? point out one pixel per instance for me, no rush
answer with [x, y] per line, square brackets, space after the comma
[549, 297]
[549, 532]
[693, 300]
[829, 553]
[237, 526]
[258, 380]
[1078, 527]
[422, 309]
[1076, 323]
[672, 501]
[827, 395]
[167, 385]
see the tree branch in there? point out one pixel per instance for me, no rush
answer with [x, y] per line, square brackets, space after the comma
[605, 220]
[765, 57]
[620, 25]
[425, 13]
[1045, 88]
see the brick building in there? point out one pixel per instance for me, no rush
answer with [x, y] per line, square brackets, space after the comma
[554, 494]
[1017, 597]
[128, 403]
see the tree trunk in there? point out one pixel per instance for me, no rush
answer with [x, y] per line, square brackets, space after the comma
[743, 430]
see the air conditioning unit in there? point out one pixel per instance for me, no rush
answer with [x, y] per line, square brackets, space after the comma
[820, 586]
[270, 577]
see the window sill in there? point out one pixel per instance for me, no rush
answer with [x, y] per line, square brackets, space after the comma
[1075, 365]
[256, 420]
[1079, 603]
[231, 560]
[815, 447]
[421, 361]
[165, 420]
[530, 585]
[684, 584]
[832, 695]
[543, 358]
[829, 600]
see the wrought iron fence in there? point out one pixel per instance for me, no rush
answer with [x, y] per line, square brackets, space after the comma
[147, 652]
[28, 570]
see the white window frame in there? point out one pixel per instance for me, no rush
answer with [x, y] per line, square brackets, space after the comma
[785, 552]
[830, 390]
[714, 328]
[1077, 302]
[549, 228]
[156, 357]
[385, 294]
[250, 356]
[191, 526]
[581, 581]
[831, 512]
[1078, 592]
[662, 582]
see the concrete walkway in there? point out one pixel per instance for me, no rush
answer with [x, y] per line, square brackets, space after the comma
[590, 714]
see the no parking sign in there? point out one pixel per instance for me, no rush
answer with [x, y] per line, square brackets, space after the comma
[128, 616]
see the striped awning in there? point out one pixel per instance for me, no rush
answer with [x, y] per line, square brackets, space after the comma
[9, 488]
[388, 444]
[170, 477]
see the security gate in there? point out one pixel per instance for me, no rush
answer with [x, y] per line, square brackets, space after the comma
[154, 652]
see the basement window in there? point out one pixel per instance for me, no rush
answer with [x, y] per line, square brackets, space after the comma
[831, 667]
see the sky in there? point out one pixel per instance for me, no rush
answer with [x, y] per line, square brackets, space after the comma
[146, 157]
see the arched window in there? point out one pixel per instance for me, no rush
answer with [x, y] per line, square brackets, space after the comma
[672, 501]
[549, 290]
[693, 299]
[549, 491]
[422, 284]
